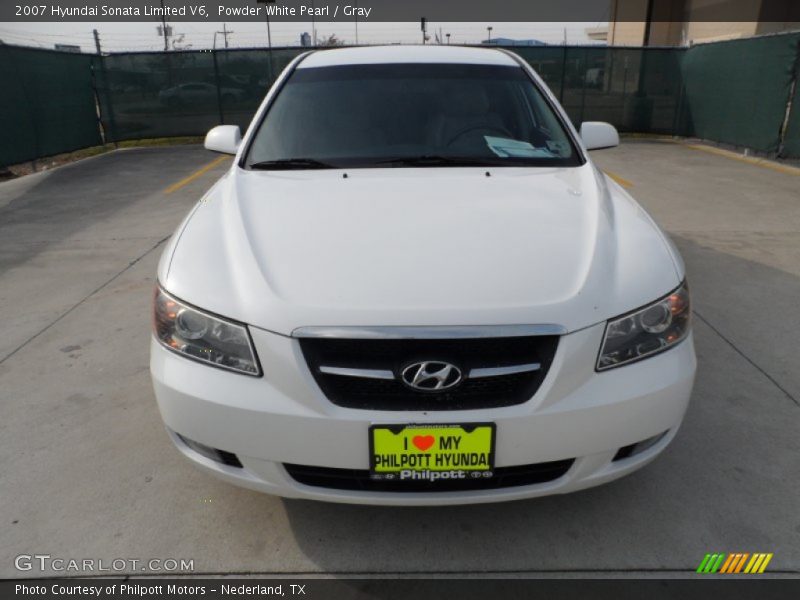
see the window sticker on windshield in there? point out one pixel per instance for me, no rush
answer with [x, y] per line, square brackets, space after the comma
[508, 148]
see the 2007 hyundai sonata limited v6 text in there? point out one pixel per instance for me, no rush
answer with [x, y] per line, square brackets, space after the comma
[413, 286]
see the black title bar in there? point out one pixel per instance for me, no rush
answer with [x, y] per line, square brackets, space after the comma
[733, 587]
[398, 10]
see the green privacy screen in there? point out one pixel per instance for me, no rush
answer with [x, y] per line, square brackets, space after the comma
[151, 95]
[734, 92]
[635, 89]
[47, 104]
[185, 93]
[791, 141]
[737, 92]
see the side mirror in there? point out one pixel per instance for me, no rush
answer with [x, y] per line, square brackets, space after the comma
[224, 139]
[596, 135]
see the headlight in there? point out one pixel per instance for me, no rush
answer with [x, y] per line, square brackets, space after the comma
[201, 336]
[646, 331]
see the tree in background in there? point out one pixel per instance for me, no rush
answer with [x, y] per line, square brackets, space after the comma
[329, 42]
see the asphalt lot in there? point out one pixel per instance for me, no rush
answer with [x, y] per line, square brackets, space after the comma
[87, 471]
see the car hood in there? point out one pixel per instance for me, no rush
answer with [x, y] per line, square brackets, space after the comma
[433, 246]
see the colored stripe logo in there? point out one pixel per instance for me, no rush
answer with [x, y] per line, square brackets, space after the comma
[737, 562]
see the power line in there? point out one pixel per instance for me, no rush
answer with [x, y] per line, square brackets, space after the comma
[121, 41]
[21, 33]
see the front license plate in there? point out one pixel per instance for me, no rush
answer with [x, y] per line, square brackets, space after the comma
[431, 452]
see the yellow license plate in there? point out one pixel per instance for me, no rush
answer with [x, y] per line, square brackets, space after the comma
[431, 452]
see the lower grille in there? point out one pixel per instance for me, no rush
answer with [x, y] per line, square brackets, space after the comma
[359, 480]
[391, 356]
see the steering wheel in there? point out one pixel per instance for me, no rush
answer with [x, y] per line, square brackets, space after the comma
[486, 128]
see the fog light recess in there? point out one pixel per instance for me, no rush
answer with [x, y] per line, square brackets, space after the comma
[220, 456]
[638, 447]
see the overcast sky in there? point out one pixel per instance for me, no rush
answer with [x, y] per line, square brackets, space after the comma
[116, 37]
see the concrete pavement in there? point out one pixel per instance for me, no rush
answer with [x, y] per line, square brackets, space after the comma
[86, 470]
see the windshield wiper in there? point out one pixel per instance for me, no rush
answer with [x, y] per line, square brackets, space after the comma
[287, 164]
[435, 160]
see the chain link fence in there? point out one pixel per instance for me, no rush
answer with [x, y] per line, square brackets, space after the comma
[740, 92]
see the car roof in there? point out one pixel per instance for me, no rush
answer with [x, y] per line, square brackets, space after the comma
[406, 54]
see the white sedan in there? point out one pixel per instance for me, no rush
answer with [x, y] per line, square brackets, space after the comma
[413, 286]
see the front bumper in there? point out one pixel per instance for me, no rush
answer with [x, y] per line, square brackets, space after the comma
[283, 417]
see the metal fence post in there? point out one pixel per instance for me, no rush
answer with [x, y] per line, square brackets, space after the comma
[583, 82]
[103, 95]
[219, 91]
[677, 118]
[97, 104]
[789, 103]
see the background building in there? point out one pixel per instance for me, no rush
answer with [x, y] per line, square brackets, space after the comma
[687, 22]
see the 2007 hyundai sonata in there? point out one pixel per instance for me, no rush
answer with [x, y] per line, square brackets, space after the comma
[413, 286]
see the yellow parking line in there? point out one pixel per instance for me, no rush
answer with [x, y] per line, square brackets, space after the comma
[199, 173]
[620, 180]
[759, 162]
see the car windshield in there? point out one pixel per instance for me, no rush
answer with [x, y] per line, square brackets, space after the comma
[410, 115]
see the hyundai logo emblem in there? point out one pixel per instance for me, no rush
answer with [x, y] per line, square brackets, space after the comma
[431, 376]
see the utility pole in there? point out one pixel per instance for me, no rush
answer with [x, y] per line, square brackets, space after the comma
[269, 44]
[269, 47]
[648, 23]
[423, 25]
[645, 43]
[313, 26]
[164, 26]
[356, 19]
[489, 29]
[225, 33]
[447, 35]
[97, 42]
[269, 32]
[269, 37]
